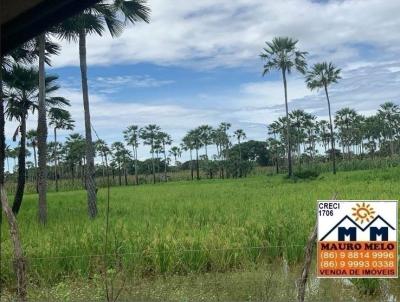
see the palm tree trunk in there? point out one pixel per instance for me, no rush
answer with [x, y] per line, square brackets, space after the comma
[197, 164]
[165, 164]
[191, 164]
[391, 141]
[154, 168]
[2, 133]
[240, 159]
[287, 126]
[103, 166]
[158, 163]
[125, 174]
[119, 174]
[42, 135]
[136, 167]
[21, 168]
[90, 169]
[55, 159]
[331, 128]
[36, 172]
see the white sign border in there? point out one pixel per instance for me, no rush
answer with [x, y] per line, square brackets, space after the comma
[397, 239]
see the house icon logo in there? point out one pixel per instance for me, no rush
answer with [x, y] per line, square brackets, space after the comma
[377, 228]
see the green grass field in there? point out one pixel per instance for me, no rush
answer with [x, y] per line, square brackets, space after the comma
[182, 229]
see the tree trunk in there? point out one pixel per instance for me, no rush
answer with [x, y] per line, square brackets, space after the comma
[153, 166]
[125, 174]
[19, 259]
[103, 166]
[119, 175]
[277, 157]
[21, 168]
[36, 172]
[42, 136]
[90, 169]
[277, 164]
[165, 164]
[207, 162]
[197, 164]
[2, 152]
[55, 159]
[240, 159]
[289, 147]
[191, 164]
[391, 142]
[136, 166]
[2, 133]
[331, 128]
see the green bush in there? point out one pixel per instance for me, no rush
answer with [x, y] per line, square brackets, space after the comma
[306, 174]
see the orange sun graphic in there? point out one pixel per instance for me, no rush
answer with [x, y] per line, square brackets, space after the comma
[363, 212]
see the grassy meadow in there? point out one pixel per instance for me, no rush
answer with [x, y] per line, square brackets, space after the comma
[176, 229]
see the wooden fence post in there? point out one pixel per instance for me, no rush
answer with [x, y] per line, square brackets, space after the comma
[308, 252]
[19, 259]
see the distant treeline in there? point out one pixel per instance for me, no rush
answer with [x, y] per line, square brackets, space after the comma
[357, 137]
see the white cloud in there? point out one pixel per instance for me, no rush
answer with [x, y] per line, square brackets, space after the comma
[269, 93]
[232, 33]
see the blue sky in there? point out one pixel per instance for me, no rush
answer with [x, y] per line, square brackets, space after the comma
[198, 62]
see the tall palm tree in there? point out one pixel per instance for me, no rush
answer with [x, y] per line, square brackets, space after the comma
[322, 75]
[372, 133]
[344, 120]
[187, 145]
[206, 132]
[389, 114]
[45, 48]
[22, 97]
[297, 119]
[31, 136]
[240, 135]
[324, 134]
[274, 128]
[59, 119]
[221, 140]
[104, 150]
[131, 135]
[165, 139]
[75, 153]
[23, 54]
[111, 15]
[206, 136]
[282, 54]
[176, 152]
[149, 135]
[21, 93]
[195, 137]
[310, 128]
[121, 156]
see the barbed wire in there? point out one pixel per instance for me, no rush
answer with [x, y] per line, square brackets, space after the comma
[146, 252]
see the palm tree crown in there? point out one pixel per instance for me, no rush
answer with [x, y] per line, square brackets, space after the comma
[61, 119]
[322, 75]
[282, 54]
[104, 15]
